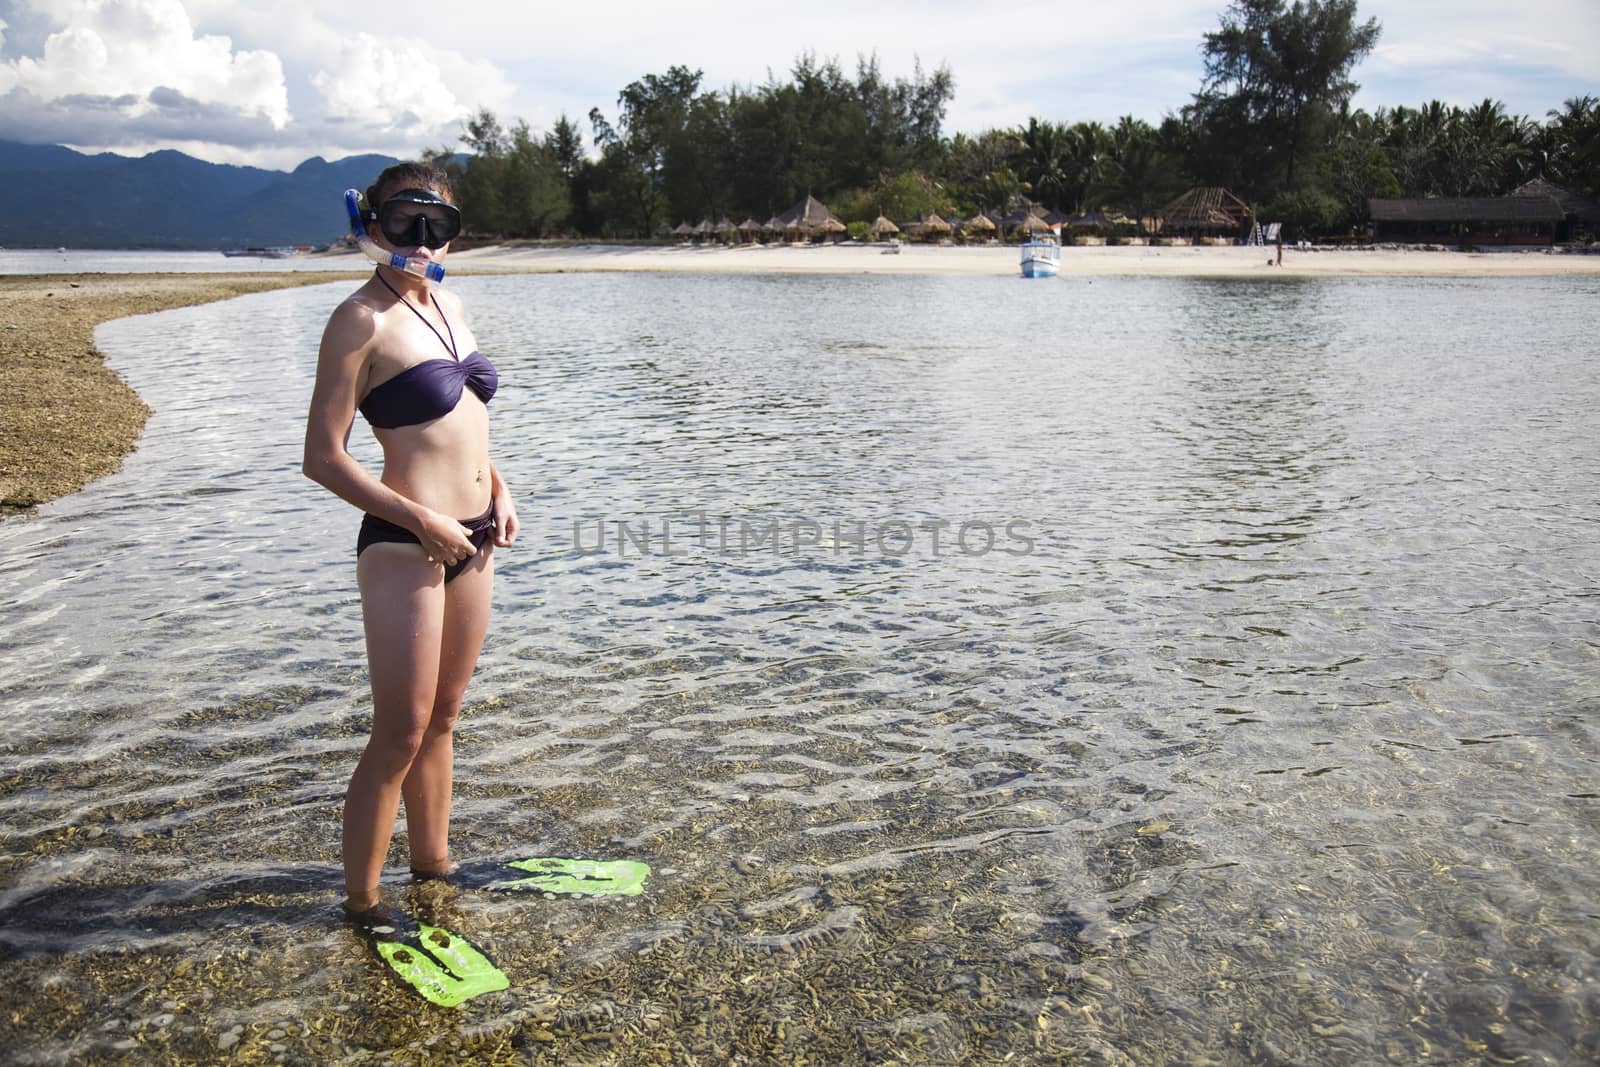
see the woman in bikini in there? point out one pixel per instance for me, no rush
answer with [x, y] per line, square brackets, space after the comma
[400, 351]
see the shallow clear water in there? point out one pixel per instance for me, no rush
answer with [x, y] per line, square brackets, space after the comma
[1263, 731]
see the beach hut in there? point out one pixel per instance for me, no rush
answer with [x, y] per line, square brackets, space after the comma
[810, 216]
[882, 227]
[928, 226]
[725, 228]
[1579, 215]
[1206, 212]
[979, 225]
[748, 230]
[664, 230]
[684, 230]
[1467, 220]
[1092, 221]
[1023, 220]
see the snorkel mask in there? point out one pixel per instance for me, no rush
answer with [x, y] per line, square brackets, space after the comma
[410, 217]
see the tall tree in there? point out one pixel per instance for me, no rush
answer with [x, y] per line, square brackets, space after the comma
[1279, 63]
[650, 120]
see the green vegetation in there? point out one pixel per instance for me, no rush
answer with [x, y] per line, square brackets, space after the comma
[1271, 121]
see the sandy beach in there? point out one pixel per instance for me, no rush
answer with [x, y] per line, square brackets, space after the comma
[1002, 260]
[82, 418]
[70, 419]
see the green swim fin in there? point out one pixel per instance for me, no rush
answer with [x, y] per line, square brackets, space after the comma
[445, 968]
[566, 877]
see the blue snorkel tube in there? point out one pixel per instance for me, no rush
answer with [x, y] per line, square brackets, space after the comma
[421, 268]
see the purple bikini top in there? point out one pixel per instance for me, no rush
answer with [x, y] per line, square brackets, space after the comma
[428, 390]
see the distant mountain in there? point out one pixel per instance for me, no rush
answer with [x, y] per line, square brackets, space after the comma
[170, 200]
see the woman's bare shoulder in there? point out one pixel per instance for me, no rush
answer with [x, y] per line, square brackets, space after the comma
[354, 323]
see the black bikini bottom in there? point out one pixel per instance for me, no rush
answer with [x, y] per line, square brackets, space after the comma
[376, 531]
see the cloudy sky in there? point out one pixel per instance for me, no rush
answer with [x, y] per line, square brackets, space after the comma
[272, 82]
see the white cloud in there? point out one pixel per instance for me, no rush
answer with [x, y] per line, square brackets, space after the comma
[131, 48]
[388, 85]
[330, 79]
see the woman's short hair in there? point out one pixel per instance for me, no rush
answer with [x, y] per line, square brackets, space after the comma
[409, 176]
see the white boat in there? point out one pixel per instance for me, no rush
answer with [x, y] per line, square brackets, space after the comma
[1041, 258]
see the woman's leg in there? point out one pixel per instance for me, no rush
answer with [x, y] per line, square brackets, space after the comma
[402, 606]
[427, 787]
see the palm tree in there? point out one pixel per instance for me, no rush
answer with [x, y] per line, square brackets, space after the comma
[1040, 161]
[1135, 168]
[1084, 153]
[1575, 150]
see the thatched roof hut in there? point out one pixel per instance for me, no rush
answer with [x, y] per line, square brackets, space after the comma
[1581, 214]
[1024, 220]
[683, 229]
[882, 227]
[810, 216]
[979, 223]
[1210, 210]
[930, 223]
[664, 230]
[1467, 219]
[772, 225]
[725, 227]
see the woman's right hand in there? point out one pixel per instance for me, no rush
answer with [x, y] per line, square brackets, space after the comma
[444, 540]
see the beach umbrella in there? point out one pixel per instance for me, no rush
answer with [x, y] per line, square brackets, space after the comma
[1091, 220]
[703, 227]
[1025, 221]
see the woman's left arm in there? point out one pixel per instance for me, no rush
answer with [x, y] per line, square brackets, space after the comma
[506, 524]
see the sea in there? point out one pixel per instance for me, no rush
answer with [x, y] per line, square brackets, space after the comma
[1101, 671]
[133, 261]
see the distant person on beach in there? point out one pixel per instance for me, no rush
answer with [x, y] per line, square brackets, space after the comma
[400, 351]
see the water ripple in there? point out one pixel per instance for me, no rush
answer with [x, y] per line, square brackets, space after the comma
[1291, 693]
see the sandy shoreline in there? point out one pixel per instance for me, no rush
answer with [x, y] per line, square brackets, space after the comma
[1002, 260]
[81, 418]
[69, 418]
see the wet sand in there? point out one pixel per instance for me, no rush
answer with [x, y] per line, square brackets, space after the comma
[69, 418]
